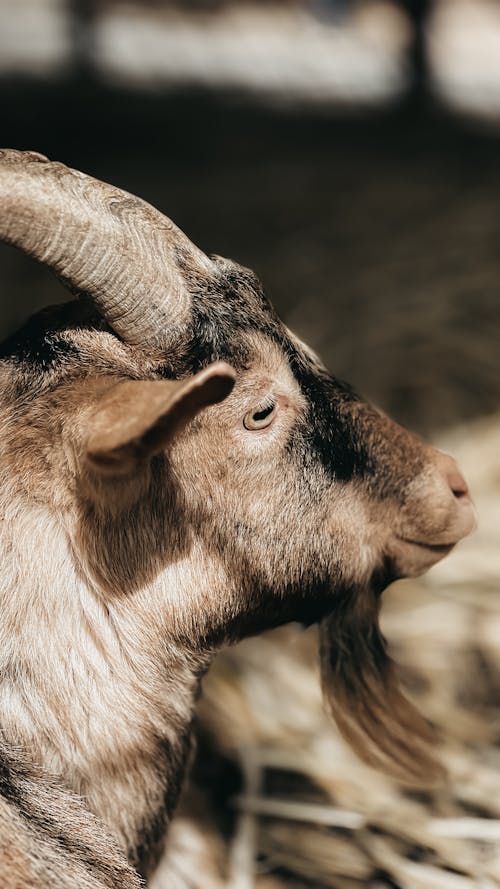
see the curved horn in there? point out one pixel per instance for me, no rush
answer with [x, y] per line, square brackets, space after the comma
[103, 243]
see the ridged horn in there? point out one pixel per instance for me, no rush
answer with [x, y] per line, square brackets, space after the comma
[103, 243]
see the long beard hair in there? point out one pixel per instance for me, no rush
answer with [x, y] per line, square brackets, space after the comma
[362, 692]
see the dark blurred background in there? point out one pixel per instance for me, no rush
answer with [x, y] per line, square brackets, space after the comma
[348, 151]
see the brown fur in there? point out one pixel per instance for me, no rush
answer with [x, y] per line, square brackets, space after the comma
[144, 522]
[49, 839]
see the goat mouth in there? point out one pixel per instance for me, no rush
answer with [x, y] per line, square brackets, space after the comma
[438, 548]
[414, 557]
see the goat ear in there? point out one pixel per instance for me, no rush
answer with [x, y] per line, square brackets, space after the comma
[136, 419]
[362, 692]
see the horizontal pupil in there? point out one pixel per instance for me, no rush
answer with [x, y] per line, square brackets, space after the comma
[261, 415]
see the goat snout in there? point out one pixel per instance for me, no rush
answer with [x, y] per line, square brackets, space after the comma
[460, 514]
[438, 514]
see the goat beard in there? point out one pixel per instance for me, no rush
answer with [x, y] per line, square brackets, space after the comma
[362, 692]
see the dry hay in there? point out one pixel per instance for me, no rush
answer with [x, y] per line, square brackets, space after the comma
[307, 812]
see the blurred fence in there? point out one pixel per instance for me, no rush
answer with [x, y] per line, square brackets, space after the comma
[355, 52]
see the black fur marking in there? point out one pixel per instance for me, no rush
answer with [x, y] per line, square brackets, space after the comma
[330, 432]
[44, 349]
[40, 343]
[235, 302]
[151, 839]
[9, 789]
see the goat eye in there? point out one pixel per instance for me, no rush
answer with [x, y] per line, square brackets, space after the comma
[260, 418]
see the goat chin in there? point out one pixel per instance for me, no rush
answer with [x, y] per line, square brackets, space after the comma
[362, 692]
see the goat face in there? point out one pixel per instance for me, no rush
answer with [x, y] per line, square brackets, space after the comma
[228, 454]
[302, 485]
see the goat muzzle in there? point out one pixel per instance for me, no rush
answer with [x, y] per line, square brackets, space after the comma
[438, 515]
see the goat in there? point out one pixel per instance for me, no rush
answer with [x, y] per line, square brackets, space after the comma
[179, 472]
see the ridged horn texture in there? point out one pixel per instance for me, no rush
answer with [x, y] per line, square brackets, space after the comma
[104, 244]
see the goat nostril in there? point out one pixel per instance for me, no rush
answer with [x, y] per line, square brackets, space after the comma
[458, 485]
